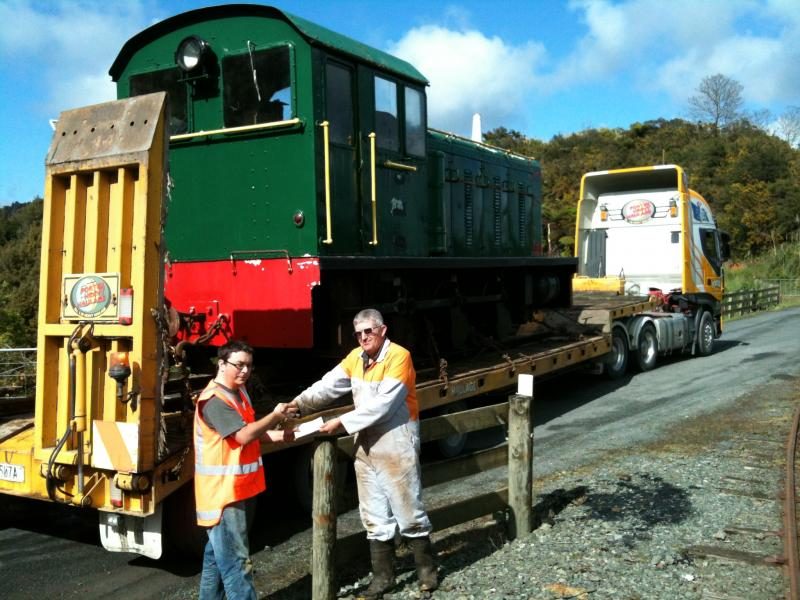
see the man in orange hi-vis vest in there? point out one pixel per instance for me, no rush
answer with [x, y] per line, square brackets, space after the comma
[229, 473]
[381, 377]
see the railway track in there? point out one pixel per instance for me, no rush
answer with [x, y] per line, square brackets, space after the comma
[759, 477]
[790, 541]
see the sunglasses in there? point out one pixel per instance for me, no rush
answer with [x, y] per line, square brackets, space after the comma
[368, 331]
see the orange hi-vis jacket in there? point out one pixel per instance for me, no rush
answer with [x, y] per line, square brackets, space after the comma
[224, 471]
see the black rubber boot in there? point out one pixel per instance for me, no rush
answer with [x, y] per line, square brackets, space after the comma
[426, 565]
[382, 556]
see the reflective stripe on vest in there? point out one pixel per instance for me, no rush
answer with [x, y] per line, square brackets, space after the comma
[209, 515]
[225, 471]
[229, 469]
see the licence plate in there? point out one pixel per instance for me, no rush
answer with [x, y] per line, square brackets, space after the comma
[15, 473]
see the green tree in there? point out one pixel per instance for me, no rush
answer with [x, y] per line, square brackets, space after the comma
[20, 241]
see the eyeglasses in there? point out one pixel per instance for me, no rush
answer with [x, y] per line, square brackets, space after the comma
[367, 331]
[240, 366]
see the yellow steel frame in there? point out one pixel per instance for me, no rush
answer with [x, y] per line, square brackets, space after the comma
[614, 284]
[104, 185]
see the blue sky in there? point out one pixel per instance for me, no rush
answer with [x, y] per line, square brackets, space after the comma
[542, 67]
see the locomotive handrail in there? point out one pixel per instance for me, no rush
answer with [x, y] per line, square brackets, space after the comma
[390, 164]
[273, 125]
[374, 241]
[326, 144]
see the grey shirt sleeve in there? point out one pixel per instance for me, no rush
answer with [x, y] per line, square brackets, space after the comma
[222, 418]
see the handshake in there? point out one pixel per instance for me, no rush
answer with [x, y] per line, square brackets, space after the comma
[288, 410]
[291, 410]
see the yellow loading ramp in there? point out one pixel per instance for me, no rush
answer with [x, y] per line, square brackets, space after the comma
[104, 185]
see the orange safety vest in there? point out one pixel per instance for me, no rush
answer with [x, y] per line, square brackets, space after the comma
[393, 362]
[224, 471]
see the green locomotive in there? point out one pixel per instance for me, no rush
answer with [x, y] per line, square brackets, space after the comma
[306, 185]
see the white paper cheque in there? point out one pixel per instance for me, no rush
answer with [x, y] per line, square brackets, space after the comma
[307, 428]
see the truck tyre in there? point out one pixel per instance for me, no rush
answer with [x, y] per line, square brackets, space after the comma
[616, 362]
[705, 334]
[646, 348]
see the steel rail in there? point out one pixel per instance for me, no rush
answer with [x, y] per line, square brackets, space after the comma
[792, 564]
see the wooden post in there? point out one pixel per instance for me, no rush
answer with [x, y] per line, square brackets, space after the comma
[323, 515]
[520, 462]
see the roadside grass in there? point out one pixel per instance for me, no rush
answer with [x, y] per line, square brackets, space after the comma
[782, 263]
[780, 266]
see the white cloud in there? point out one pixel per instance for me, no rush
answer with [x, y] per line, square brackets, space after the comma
[66, 46]
[470, 72]
[669, 47]
[636, 37]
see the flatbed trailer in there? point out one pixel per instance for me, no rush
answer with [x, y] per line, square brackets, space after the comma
[562, 339]
[556, 341]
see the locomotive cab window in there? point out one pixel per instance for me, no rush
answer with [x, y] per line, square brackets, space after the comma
[339, 103]
[415, 122]
[387, 129]
[257, 87]
[393, 109]
[170, 81]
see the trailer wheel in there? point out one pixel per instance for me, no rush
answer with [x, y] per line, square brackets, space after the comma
[646, 348]
[617, 362]
[705, 334]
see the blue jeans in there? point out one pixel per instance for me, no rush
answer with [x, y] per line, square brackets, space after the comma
[227, 569]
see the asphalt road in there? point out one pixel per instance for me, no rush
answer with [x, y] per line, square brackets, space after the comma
[49, 551]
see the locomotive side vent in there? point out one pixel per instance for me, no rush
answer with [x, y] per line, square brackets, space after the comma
[468, 216]
[523, 218]
[497, 204]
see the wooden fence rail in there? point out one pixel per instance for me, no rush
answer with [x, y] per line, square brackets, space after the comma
[790, 287]
[517, 414]
[17, 380]
[739, 303]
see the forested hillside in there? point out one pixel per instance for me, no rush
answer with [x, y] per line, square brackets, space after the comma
[20, 236]
[749, 177]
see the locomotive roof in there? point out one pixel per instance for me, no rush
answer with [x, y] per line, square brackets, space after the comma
[313, 33]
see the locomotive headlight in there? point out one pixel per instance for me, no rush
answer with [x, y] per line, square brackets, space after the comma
[299, 218]
[191, 53]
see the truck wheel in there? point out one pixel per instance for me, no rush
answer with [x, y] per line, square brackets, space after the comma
[705, 335]
[617, 361]
[646, 348]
